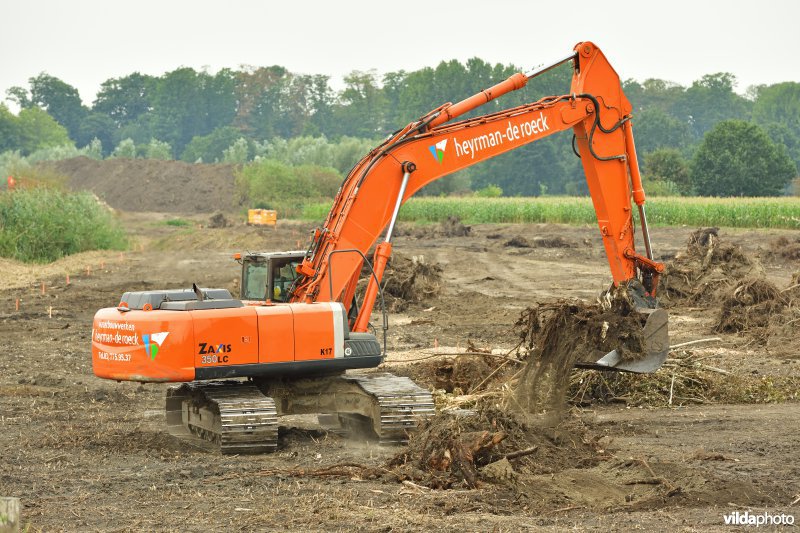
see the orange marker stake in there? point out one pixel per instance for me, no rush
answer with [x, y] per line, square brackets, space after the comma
[50, 312]
[16, 305]
[43, 287]
[67, 279]
[102, 265]
[88, 270]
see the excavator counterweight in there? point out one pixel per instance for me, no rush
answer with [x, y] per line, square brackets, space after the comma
[287, 344]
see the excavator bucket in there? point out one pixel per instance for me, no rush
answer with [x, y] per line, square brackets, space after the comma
[656, 347]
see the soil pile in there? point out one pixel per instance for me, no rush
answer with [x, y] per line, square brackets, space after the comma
[148, 185]
[411, 281]
[218, 220]
[705, 270]
[565, 333]
[784, 248]
[518, 241]
[450, 227]
[465, 448]
[538, 242]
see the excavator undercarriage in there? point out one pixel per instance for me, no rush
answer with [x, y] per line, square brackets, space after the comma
[241, 417]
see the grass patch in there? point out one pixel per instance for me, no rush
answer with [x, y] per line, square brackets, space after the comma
[773, 212]
[42, 224]
[179, 222]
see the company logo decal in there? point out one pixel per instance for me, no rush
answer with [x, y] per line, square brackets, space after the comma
[153, 342]
[438, 150]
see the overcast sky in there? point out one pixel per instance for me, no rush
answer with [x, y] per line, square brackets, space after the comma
[85, 42]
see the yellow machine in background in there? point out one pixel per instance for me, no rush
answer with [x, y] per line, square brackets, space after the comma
[262, 217]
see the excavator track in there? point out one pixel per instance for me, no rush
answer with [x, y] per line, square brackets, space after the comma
[402, 405]
[227, 416]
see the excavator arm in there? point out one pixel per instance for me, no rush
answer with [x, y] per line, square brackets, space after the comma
[428, 149]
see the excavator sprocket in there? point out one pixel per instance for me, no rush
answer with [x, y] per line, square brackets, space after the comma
[228, 416]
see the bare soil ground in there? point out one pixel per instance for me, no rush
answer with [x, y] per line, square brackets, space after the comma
[88, 454]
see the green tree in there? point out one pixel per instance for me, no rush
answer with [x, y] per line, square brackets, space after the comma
[125, 99]
[251, 84]
[736, 158]
[654, 93]
[96, 126]
[93, 150]
[782, 136]
[709, 101]
[779, 104]
[61, 101]
[187, 104]
[126, 149]
[9, 130]
[238, 152]
[362, 106]
[210, 148]
[656, 129]
[156, 149]
[37, 129]
[668, 165]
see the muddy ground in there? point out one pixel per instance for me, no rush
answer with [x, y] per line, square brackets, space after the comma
[87, 454]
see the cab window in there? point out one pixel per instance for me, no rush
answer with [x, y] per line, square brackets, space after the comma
[255, 281]
[282, 278]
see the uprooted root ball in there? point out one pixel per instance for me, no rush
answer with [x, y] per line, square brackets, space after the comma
[751, 304]
[701, 274]
[770, 316]
[562, 334]
[411, 280]
[454, 448]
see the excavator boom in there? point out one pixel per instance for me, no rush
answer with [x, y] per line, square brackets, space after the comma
[595, 109]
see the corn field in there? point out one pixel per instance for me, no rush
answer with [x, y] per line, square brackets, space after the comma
[772, 212]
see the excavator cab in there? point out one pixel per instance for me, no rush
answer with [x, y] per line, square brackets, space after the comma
[269, 275]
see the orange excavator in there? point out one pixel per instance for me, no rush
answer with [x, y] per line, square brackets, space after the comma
[285, 346]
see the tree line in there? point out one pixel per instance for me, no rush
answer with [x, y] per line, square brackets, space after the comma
[705, 138]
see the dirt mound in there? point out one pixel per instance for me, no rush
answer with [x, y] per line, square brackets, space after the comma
[784, 248]
[148, 185]
[464, 448]
[561, 334]
[218, 220]
[538, 242]
[705, 270]
[517, 241]
[450, 227]
[411, 280]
